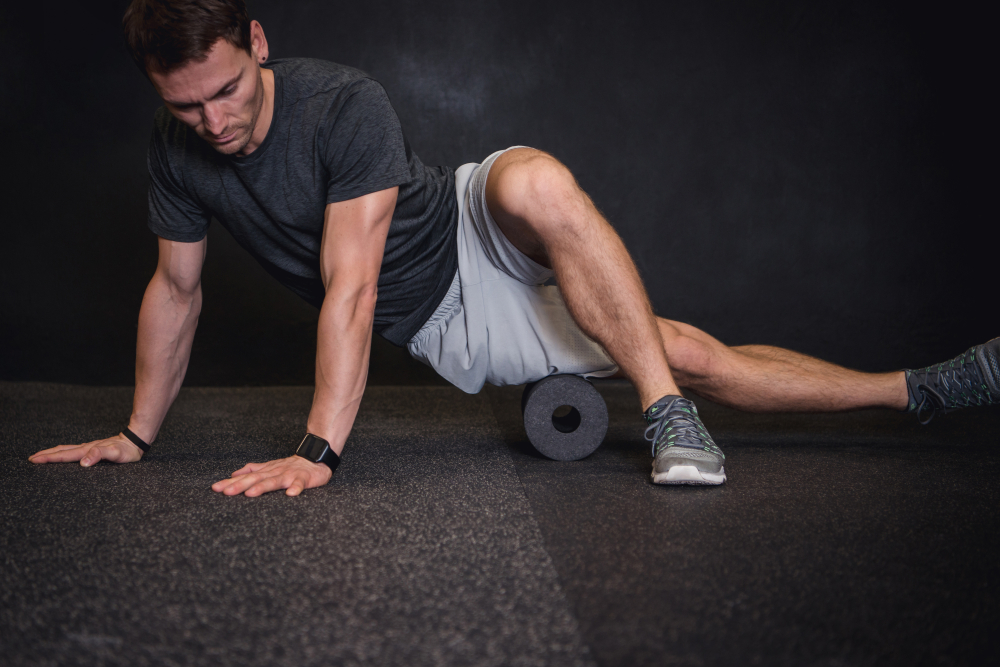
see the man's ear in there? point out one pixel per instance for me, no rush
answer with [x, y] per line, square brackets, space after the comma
[258, 43]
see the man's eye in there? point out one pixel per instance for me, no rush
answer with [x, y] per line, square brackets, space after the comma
[229, 91]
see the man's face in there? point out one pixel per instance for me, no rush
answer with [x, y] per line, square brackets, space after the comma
[219, 98]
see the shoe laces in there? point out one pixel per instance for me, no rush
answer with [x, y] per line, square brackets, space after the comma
[954, 384]
[677, 424]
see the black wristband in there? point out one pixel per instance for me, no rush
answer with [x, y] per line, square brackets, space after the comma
[316, 449]
[136, 440]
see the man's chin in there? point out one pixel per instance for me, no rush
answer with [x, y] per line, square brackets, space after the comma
[234, 145]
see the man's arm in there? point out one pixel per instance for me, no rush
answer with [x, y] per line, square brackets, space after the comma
[354, 235]
[167, 321]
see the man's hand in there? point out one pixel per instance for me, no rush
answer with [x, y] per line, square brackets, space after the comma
[294, 474]
[118, 449]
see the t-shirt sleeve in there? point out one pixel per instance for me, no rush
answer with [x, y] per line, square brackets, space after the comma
[173, 214]
[363, 147]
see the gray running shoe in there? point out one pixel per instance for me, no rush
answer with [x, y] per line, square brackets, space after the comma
[683, 451]
[971, 378]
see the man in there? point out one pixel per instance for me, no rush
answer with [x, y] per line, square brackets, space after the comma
[305, 164]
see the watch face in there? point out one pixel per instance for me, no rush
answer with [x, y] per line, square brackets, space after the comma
[313, 448]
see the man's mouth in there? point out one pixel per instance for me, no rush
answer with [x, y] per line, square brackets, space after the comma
[224, 139]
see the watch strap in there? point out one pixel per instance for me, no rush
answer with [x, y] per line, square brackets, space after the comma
[316, 449]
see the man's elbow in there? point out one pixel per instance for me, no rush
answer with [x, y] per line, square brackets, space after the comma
[358, 301]
[181, 292]
[367, 297]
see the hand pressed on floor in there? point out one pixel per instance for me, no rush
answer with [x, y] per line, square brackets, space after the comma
[293, 474]
[117, 449]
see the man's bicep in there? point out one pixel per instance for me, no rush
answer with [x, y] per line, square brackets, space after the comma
[354, 234]
[180, 263]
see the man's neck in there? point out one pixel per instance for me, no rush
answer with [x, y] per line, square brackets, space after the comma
[266, 114]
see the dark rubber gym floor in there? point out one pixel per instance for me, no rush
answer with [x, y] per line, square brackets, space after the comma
[851, 539]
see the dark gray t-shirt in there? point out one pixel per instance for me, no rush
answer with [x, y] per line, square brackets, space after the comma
[334, 136]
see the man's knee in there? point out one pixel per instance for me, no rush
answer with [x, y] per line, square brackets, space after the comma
[533, 186]
[690, 359]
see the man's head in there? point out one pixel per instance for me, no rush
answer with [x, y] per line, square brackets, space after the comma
[203, 57]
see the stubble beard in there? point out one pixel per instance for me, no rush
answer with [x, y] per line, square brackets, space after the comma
[237, 146]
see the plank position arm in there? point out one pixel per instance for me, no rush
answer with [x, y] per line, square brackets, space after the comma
[354, 235]
[167, 322]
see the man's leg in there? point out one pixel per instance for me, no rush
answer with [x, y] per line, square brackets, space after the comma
[759, 378]
[540, 208]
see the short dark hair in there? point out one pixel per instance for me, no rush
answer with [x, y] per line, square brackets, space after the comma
[162, 35]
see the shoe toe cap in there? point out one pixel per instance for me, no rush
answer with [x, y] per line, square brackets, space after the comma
[704, 463]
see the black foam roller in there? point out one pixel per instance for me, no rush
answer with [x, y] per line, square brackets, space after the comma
[564, 437]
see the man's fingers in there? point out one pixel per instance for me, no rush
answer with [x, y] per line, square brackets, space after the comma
[57, 448]
[114, 449]
[95, 455]
[221, 485]
[265, 485]
[42, 456]
[240, 484]
[291, 474]
[254, 484]
[250, 467]
[70, 453]
[297, 486]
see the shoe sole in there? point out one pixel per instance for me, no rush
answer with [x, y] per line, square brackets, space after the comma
[689, 475]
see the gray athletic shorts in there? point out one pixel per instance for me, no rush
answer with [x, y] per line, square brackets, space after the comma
[499, 322]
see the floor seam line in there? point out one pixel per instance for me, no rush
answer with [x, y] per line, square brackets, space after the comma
[545, 546]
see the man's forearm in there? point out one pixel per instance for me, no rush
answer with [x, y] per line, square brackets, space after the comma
[167, 322]
[344, 338]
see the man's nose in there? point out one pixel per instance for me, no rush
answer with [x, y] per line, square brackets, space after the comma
[214, 118]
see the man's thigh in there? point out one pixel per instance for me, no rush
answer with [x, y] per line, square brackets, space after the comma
[506, 192]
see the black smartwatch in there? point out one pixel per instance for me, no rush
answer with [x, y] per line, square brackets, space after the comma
[318, 450]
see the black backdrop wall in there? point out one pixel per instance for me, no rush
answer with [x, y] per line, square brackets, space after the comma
[812, 175]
